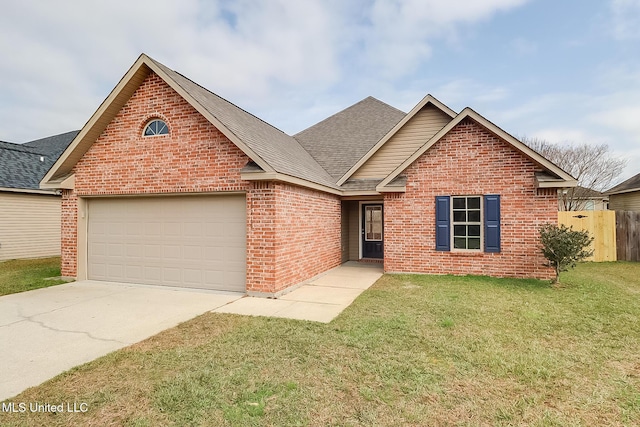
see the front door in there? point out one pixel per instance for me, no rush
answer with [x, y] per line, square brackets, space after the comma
[372, 231]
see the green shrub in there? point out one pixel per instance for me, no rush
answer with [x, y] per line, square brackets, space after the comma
[563, 246]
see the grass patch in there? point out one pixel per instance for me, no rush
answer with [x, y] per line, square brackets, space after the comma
[26, 274]
[412, 350]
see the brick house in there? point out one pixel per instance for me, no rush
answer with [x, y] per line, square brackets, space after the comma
[170, 184]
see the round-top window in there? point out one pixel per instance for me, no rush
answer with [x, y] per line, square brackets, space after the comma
[156, 127]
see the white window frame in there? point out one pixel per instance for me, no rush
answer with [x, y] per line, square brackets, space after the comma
[155, 119]
[466, 223]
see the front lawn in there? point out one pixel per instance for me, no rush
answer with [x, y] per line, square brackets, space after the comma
[21, 275]
[412, 350]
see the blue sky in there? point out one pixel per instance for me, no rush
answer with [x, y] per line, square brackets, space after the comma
[566, 71]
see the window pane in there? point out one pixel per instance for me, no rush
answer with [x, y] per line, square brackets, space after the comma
[474, 231]
[474, 243]
[473, 203]
[460, 243]
[156, 127]
[459, 216]
[459, 230]
[474, 216]
[377, 227]
[458, 203]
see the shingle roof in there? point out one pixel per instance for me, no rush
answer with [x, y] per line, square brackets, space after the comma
[339, 141]
[24, 165]
[281, 151]
[53, 145]
[631, 184]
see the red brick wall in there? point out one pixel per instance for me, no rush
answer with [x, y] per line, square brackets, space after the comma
[294, 234]
[195, 156]
[469, 160]
[69, 234]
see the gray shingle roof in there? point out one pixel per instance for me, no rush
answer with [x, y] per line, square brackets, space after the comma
[361, 184]
[279, 150]
[24, 165]
[53, 145]
[631, 184]
[339, 141]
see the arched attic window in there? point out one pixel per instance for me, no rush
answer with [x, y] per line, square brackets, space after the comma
[156, 127]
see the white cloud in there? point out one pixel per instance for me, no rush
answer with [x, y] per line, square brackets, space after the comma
[625, 19]
[60, 59]
[401, 32]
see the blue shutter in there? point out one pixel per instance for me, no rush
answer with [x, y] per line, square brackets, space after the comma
[492, 223]
[442, 224]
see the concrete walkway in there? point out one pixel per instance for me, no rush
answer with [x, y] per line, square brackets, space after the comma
[320, 300]
[45, 332]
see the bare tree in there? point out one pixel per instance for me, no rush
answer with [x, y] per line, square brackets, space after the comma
[593, 166]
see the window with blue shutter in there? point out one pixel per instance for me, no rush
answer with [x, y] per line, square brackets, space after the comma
[443, 226]
[460, 219]
[492, 223]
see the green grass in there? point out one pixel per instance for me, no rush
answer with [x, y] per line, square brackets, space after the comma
[412, 350]
[26, 274]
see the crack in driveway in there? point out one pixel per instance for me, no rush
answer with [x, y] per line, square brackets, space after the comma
[51, 328]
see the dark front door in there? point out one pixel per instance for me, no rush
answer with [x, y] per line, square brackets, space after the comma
[372, 231]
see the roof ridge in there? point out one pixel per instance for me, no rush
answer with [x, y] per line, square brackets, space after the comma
[48, 137]
[12, 146]
[346, 108]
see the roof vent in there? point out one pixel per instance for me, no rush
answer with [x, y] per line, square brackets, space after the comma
[42, 158]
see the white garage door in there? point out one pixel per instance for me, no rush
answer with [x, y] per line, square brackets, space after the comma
[187, 241]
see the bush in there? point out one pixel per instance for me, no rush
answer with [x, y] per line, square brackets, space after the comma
[564, 247]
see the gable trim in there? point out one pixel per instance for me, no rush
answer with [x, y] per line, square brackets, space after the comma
[28, 191]
[630, 190]
[112, 105]
[277, 176]
[564, 179]
[429, 99]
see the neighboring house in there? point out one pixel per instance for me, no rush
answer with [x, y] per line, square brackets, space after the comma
[170, 184]
[582, 199]
[625, 196]
[29, 216]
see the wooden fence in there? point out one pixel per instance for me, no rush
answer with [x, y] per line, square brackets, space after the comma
[628, 232]
[601, 225]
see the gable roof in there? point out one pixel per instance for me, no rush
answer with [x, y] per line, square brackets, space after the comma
[22, 166]
[559, 178]
[323, 156]
[392, 131]
[631, 184]
[339, 141]
[267, 146]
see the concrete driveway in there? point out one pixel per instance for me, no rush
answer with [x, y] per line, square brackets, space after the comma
[48, 331]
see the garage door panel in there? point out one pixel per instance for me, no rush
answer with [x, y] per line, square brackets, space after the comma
[193, 241]
[152, 275]
[115, 272]
[193, 253]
